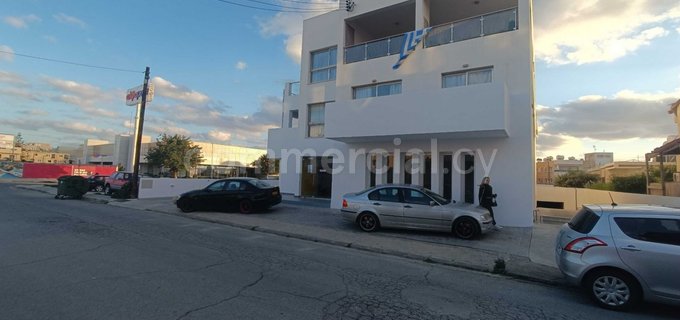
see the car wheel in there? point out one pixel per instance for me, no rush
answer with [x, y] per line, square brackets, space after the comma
[368, 222]
[107, 189]
[466, 228]
[186, 205]
[99, 189]
[245, 206]
[613, 289]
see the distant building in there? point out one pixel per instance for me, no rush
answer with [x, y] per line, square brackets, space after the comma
[621, 169]
[597, 159]
[218, 160]
[548, 169]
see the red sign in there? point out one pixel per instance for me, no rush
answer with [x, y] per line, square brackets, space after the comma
[54, 171]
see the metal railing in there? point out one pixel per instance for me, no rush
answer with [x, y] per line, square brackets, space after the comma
[476, 27]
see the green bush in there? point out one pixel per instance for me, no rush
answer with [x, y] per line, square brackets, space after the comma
[576, 179]
[632, 184]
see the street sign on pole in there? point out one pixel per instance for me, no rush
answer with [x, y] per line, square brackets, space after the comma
[134, 95]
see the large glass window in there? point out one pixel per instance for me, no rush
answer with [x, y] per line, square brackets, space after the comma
[323, 65]
[316, 120]
[377, 90]
[467, 78]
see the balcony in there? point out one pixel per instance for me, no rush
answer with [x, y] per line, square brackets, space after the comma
[450, 113]
[461, 30]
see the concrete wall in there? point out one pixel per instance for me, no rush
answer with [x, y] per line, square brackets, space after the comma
[575, 198]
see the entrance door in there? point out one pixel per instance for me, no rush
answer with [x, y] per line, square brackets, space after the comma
[469, 178]
[316, 177]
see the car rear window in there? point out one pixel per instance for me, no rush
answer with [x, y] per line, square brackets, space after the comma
[651, 229]
[584, 221]
[260, 184]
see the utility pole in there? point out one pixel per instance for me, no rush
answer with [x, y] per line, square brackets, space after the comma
[139, 128]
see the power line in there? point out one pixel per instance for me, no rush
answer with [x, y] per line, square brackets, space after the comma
[70, 62]
[292, 9]
[296, 8]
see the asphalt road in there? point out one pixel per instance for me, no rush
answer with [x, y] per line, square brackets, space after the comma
[70, 259]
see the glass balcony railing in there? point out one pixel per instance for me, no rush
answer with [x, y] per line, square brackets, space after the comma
[293, 88]
[374, 49]
[480, 26]
[488, 24]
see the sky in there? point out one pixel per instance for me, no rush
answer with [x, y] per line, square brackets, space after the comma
[606, 70]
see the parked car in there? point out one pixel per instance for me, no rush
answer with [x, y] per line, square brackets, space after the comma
[244, 194]
[116, 181]
[96, 182]
[413, 207]
[622, 254]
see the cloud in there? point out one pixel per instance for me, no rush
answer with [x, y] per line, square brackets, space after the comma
[241, 65]
[678, 30]
[24, 93]
[220, 135]
[12, 78]
[588, 31]
[7, 54]
[34, 112]
[87, 97]
[167, 89]
[66, 19]
[289, 25]
[21, 22]
[626, 115]
[224, 127]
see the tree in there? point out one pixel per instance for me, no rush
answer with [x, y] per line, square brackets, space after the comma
[655, 173]
[19, 141]
[176, 153]
[576, 179]
[265, 166]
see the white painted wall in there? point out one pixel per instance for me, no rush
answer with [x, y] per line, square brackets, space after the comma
[169, 187]
[496, 118]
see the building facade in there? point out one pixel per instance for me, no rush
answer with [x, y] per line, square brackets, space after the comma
[458, 108]
[597, 159]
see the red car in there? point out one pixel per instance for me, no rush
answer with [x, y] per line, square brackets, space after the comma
[116, 181]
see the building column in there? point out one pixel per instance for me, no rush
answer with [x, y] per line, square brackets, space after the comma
[398, 169]
[418, 168]
[437, 175]
[380, 170]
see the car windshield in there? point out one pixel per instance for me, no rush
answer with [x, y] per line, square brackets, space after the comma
[437, 197]
[259, 183]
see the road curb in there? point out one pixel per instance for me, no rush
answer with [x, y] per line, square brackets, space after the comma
[517, 266]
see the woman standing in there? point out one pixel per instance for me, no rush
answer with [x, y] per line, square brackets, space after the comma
[487, 198]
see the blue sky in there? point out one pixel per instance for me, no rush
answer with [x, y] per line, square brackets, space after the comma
[606, 70]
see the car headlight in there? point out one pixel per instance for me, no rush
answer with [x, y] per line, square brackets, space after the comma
[486, 216]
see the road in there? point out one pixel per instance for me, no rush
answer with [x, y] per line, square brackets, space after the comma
[70, 259]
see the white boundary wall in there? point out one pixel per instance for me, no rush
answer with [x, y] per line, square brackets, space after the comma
[575, 198]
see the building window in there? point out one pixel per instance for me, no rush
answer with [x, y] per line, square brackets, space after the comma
[377, 90]
[293, 119]
[316, 120]
[323, 65]
[467, 78]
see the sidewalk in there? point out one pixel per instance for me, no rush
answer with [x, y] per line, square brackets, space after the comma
[528, 252]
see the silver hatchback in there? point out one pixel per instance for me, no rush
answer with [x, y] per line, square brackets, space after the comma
[413, 207]
[622, 254]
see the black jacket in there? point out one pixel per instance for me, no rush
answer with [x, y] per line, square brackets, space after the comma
[485, 195]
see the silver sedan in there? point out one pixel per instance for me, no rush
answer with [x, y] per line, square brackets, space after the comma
[413, 207]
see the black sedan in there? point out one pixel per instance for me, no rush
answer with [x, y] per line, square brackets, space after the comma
[96, 182]
[244, 194]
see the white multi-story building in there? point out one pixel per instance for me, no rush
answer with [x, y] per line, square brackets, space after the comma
[459, 108]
